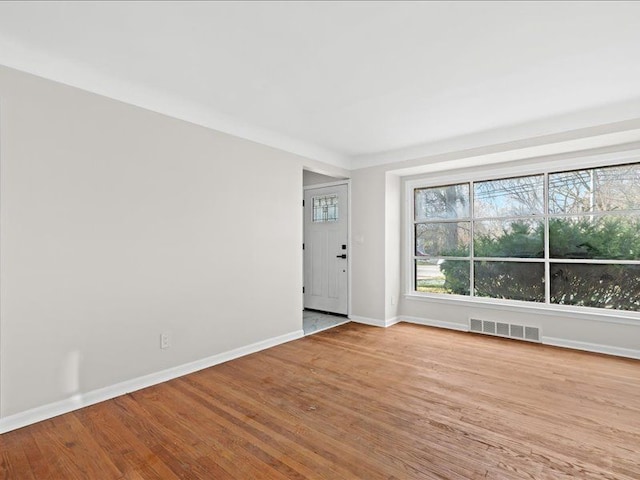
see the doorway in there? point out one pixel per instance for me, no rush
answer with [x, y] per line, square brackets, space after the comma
[326, 251]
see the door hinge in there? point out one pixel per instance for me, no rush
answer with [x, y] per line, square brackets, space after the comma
[303, 246]
[303, 203]
[302, 289]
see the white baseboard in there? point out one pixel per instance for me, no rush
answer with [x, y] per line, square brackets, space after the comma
[81, 400]
[392, 321]
[558, 342]
[374, 321]
[592, 347]
[367, 321]
[435, 323]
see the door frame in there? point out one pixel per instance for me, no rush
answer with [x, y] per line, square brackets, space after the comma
[347, 182]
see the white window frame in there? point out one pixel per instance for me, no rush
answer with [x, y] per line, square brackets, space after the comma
[565, 162]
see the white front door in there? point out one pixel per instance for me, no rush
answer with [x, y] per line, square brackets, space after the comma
[326, 259]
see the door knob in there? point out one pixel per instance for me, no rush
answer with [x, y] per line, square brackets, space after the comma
[344, 255]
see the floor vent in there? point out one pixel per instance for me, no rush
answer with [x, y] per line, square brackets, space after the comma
[501, 329]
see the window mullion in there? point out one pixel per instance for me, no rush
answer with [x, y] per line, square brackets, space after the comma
[603, 264]
[471, 250]
[547, 267]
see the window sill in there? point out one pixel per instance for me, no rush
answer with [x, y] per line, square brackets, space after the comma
[582, 313]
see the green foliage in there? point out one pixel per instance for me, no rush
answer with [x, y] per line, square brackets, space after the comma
[456, 276]
[607, 238]
[519, 240]
[605, 286]
[510, 280]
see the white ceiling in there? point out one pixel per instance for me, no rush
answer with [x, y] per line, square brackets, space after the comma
[342, 82]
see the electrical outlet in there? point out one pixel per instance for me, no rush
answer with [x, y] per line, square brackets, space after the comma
[393, 300]
[164, 340]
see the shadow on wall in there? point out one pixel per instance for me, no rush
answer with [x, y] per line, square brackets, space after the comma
[71, 373]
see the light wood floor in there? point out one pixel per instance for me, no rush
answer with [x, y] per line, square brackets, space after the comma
[407, 402]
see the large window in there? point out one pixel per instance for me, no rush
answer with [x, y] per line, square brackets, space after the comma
[566, 238]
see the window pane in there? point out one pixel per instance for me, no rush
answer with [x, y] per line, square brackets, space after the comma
[448, 239]
[442, 276]
[570, 192]
[596, 189]
[607, 237]
[325, 208]
[510, 238]
[509, 280]
[509, 197]
[603, 286]
[451, 201]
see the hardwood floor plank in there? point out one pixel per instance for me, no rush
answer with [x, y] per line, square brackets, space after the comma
[71, 452]
[267, 445]
[40, 462]
[168, 438]
[350, 425]
[130, 453]
[358, 402]
[407, 426]
[14, 462]
[181, 421]
[291, 432]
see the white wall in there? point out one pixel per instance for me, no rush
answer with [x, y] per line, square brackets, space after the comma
[118, 224]
[368, 244]
[315, 178]
[379, 270]
[392, 244]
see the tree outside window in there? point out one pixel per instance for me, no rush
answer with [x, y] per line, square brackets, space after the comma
[489, 238]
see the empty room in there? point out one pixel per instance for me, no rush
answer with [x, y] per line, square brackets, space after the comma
[319, 240]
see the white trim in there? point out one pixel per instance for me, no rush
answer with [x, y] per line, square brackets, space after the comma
[2, 229]
[585, 313]
[346, 181]
[556, 342]
[592, 347]
[349, 249]
[16, 56]
[374, 322]
[82, 400]
[498, 146]
[601, 157]
[409, 241]
[429, 322]
[392, 321]
[608, 156]
[337, 183]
